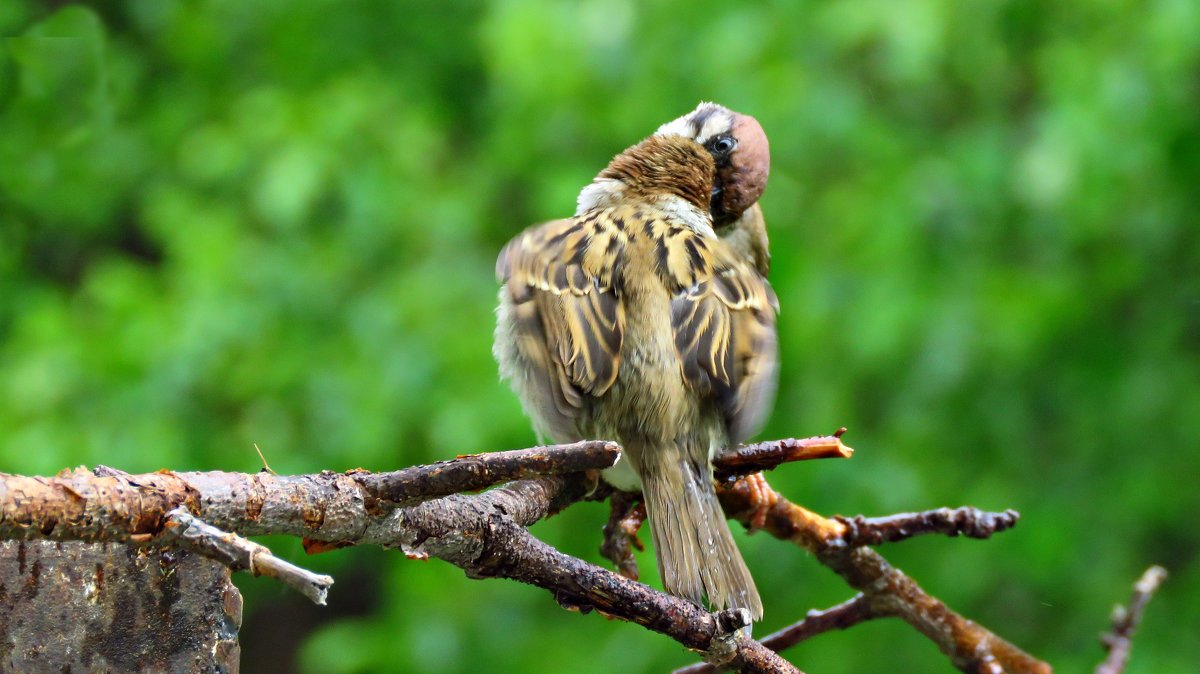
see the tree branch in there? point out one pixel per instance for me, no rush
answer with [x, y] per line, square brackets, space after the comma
[484, 534]
[479, 471]
[970, 647]
[966, 521]
[845, 615]
[760, 456]
[1119, 640]
[512, 552]
[627, 515]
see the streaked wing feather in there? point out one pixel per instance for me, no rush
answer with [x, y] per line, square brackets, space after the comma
[570, 322]
[725, 334]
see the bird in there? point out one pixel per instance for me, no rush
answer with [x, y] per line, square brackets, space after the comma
[634, 321]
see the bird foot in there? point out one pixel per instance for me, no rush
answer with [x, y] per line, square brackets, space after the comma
[763, 498]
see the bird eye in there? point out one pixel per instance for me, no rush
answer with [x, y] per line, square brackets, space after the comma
[722, 145]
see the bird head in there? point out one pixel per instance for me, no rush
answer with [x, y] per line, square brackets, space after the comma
[742, 160]
[740, 153]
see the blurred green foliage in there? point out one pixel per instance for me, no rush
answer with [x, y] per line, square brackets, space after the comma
[225, 223]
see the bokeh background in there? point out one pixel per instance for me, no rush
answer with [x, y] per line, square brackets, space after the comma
[225, 223]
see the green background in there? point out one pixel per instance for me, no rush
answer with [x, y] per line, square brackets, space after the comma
[226, 223]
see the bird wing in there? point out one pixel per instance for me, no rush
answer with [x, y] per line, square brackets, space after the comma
[567, 319]
[723, 314]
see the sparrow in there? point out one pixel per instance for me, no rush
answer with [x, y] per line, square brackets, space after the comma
[634, 321]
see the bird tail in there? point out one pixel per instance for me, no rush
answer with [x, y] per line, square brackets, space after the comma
[696, 553]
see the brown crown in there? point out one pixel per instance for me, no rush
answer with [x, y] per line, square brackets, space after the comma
[665, 165]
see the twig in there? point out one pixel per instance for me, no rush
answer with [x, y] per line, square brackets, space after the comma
[845, 615]
[747, 459]
[478, 471]
[184, 530]
[970, 647]
[1119, 640]
[966, 521]
[620, 532]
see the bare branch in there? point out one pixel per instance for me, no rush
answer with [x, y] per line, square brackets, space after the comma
[966, 521]
[484, 534]
[79, 505]
[747, 459]
[1119, 641]
[184, 530]
[478, 471]
[845, 615]
[970, 647]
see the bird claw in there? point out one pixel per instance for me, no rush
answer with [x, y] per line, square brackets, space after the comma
[763, 498]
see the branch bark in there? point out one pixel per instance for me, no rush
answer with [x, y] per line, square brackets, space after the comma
[969, 522]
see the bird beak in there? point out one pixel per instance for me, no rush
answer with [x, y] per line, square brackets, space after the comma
[716, 203]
